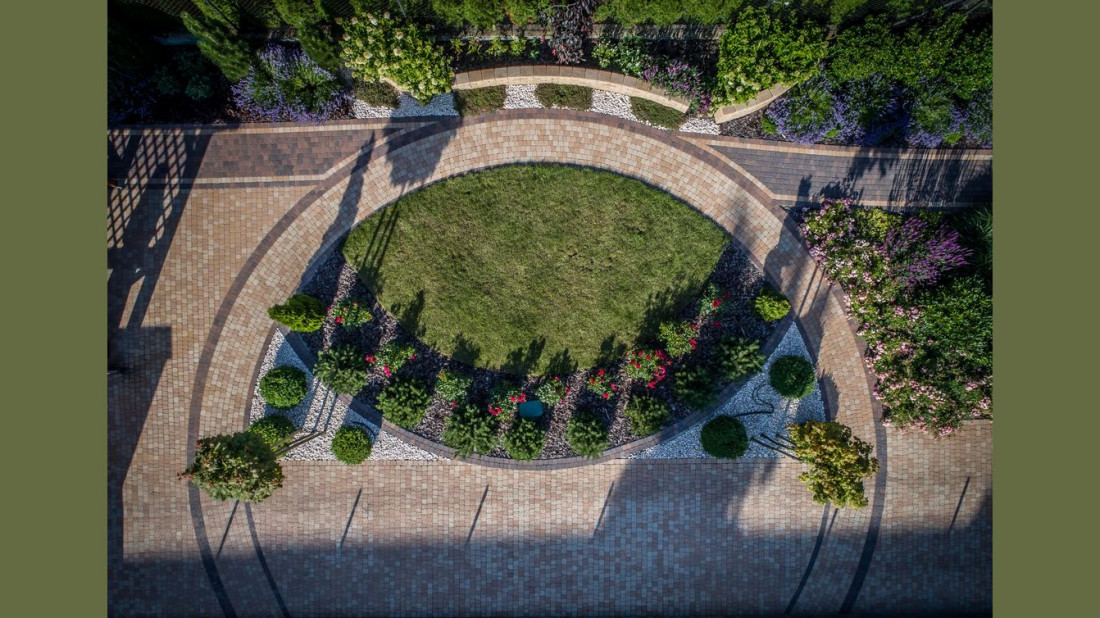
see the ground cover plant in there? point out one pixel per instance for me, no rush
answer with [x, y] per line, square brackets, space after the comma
[656, 114]
[284, 85]
[478, 101]
[496, 263]
[927, 320]
[564, 95]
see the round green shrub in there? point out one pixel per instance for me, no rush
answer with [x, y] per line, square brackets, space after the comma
[342, 369]
[739, 357]
[404, 402]
[351, 445]
[586, 434]
[284, 387]
[694, 387]
[524, 439]
[724, 437]
[770, 305]
[471, 429]
[273, 429]
[301, 312]
[647, 415]
[792, 377]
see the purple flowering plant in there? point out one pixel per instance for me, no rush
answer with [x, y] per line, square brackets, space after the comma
[285, 85]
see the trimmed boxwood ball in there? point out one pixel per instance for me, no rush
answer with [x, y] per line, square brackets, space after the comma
[274, 429]
[724, 437]
[586, 434]
[351, 445]
[647, 415]
[792, 377]
[770, 305]
[404, 402]
[284, 387]
[301, 312]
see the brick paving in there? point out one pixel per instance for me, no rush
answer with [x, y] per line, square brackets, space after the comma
[209, 226]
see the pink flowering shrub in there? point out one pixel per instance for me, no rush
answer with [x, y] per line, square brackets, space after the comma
[351, 313]
[929, 333]
[552, 392]
[505, 398]
[648, 365]
[678, 337]
[601, 384]
[391, 358]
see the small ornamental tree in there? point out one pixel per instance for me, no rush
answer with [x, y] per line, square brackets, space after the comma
[219, 42]
[342, 369]
[376, 47]
[470, 429]
[724, 437]
[301, 312]
[240, 466]
[762, 49]
[840, 462]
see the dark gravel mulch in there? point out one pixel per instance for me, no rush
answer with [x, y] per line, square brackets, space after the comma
[336, 280]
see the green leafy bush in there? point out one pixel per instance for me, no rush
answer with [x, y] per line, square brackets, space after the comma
[452, 387]
[376, 47]
[648, 365]
[551, 392]
[678, 337]
[274, 429]
[634, 12]
[377, 94]
[479, 101]
[840, 462]
[562, 95]
[792, 377]
[189, 74]
[481, 14]
[220, 44]
[602, 385]
[404, 402]
[351, 445]
[301, 312]
[470, 429]
[724, 437]
[656, 114]
[235, 467]
[694, 387]
[351, 313]
[977, 233]
[284, 387]
[524, 439]
[342, 369]
[505, 397]
[586, 434]
[629, 55]
[392, 357]
[770, 305]
[763, 49]
[738, 357]
[647, 415]
[284, 84]
[308, 18]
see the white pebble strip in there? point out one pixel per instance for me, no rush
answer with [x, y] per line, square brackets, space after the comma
[700, 125]
[520, 97]
[612, 104]
[811, 407]
[322, 411]
[440, 105]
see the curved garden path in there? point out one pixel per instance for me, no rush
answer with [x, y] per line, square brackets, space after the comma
[208, 226]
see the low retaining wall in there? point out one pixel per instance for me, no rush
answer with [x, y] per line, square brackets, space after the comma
[730, 112]
[574, 76]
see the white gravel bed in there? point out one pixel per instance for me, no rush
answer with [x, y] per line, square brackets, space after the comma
[700, 125]
[612, 104]
[756, 394]
[520, 97]
[440, 105]
[323, 411]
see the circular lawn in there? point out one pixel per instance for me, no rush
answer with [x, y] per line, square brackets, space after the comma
[535, 268]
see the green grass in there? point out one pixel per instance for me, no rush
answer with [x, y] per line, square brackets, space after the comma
[479, 100]
[561, 95]
[535, 268]
[656, 114]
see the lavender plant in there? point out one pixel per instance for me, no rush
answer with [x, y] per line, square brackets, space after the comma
[285, 85]
[920, 255]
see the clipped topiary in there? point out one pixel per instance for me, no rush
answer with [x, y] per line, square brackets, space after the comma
[694, 387]
[342, 369]
[301, 312]
[724, 437]
[351, 445]
[586, 434]
[770, 305]
[647, 415]
[235, 467]
[524, 439]
[404, 402]
[284, 387]
[471, 429]
[739, 357]
[792, 377]
[273, 429]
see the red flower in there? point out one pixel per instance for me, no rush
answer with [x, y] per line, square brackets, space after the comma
[600, 372]
[370, 358]
[557, 379]
[694, 327]
[716, 303]
[649, 357]
[717, 324]
[339, 319]
[652, 384]
[726, 295]
[692, 342]
[330, 307]
[614, 388]
[606, 395]
[568, 389]
[412, 356]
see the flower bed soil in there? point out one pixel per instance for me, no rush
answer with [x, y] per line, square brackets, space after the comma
[335, 280]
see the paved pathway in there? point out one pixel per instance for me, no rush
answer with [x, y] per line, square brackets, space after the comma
[210, 226]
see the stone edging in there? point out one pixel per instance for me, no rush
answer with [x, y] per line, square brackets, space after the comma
[731, 112]
[668, 433]
[574, 76]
